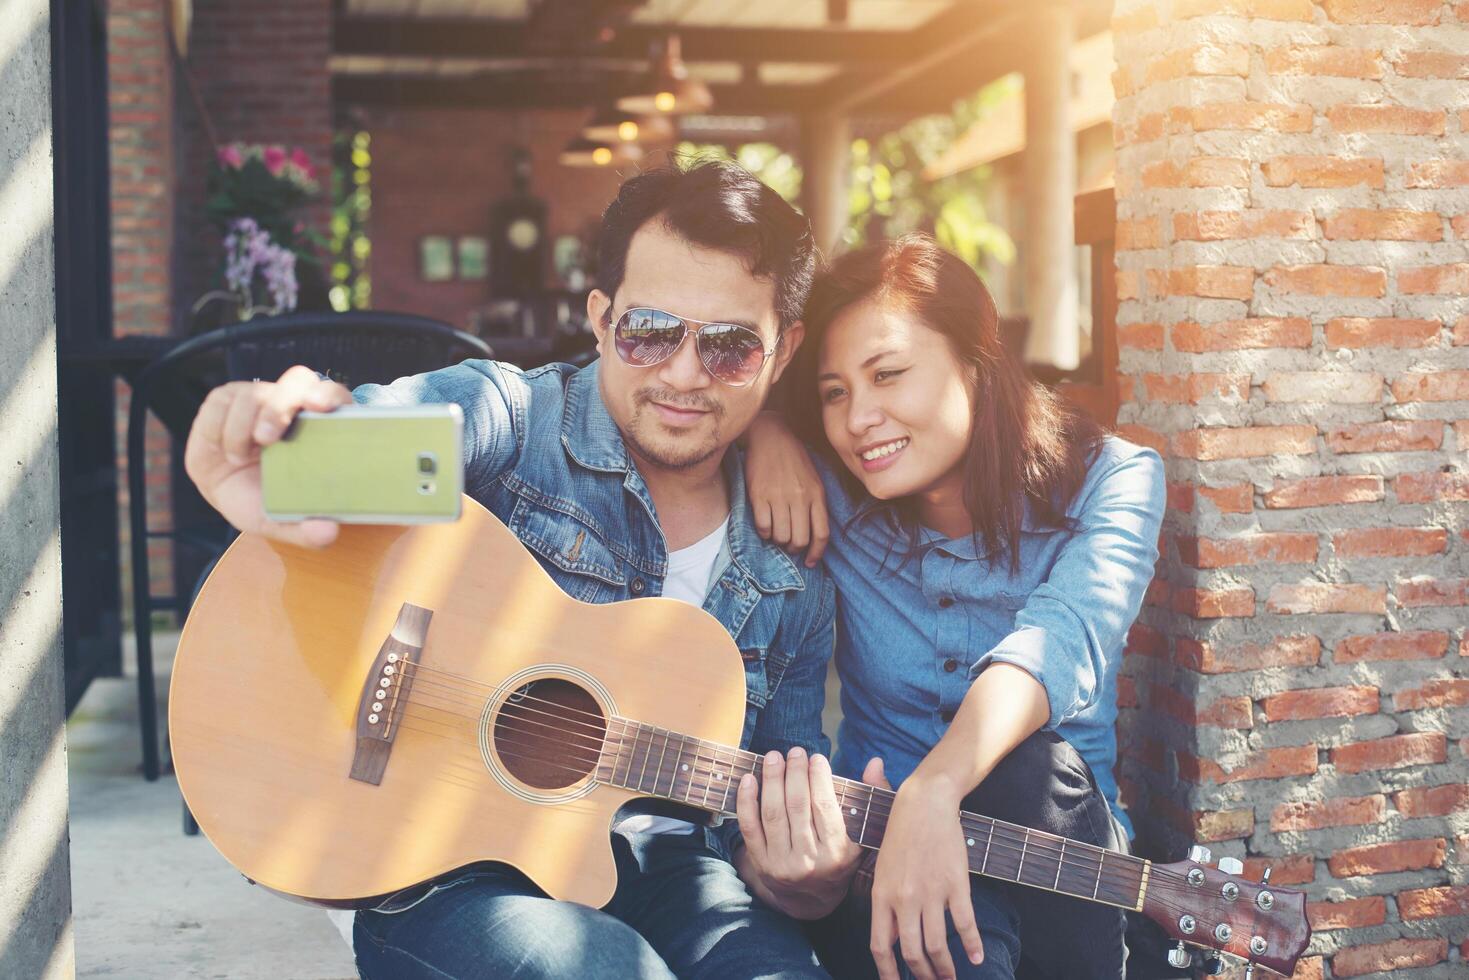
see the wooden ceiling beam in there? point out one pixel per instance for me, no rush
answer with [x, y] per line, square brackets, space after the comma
[421, 38]
[548, 90]
[574, 23]
[960, 50]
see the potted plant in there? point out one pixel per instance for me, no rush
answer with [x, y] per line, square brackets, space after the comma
[255, 192]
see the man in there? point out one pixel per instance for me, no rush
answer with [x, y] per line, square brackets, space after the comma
[623, 481]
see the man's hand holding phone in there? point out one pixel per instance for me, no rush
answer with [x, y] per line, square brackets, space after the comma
[236, 422]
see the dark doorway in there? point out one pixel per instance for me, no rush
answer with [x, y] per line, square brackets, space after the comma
[90, 579]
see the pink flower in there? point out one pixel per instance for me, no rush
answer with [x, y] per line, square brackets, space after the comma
[274, 159]
[230, 156]
[300, 158]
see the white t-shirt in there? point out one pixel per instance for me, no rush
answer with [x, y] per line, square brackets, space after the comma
[691, 573]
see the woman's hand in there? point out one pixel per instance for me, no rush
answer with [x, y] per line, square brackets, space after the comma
[785, 491]
[922, 870]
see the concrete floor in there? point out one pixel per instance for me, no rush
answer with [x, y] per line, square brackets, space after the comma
[152, 903]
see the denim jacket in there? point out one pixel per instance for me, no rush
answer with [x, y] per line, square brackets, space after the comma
[543, 455]
[917, 626]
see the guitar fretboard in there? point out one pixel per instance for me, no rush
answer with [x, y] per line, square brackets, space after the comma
[661, 763]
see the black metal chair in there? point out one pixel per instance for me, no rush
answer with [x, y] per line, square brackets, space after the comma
[353, 348]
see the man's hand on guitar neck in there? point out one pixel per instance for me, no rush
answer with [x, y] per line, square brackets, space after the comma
[234, 424]
[797, 856]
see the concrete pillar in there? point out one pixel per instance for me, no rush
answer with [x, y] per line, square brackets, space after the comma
[826, 151]
[1050, 185]
[35, 872]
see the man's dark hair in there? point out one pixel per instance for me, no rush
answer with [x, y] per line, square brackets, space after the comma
[716, 205]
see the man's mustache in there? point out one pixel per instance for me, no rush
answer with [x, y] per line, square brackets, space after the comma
[683, 400]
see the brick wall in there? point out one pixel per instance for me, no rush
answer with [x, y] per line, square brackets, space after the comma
[262, 75]
[140, 101]
[439, 171]
[1293, 200]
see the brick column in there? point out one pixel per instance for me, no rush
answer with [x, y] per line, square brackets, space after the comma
[262, 74]
[140, 102]
[260, 71]
[1293, 208]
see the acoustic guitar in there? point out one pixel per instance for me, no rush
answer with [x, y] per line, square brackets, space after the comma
[351, 721]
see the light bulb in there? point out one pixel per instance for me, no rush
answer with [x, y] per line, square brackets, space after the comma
[664, 101]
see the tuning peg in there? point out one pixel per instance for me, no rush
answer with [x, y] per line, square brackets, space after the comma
[1179, 957]
[1213, 966]
[1231, 865]
[1249, 971]
[1199, 854]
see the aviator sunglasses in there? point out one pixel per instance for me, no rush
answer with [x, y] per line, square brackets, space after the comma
[730, 353]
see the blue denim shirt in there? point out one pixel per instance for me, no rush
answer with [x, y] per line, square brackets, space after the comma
[543, 455]
[913, 634]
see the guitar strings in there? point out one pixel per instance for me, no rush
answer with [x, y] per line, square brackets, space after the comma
[537, 752]
[1113, 877]
[1033, 842]
[1108, 875]
[1039, 846]
[996, 834]
[537, 755]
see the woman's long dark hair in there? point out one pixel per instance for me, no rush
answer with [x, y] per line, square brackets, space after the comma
[1028, 448]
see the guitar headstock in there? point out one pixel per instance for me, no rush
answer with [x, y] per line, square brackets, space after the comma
[1215, 908]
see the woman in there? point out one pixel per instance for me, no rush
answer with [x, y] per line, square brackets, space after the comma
[991, 547]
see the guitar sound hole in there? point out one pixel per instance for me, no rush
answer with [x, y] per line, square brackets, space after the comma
[548, 733]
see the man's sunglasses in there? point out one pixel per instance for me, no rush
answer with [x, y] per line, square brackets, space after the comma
[730, 353]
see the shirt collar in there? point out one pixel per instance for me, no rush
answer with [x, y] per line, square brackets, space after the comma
[767, 565]
[962, 547]
[587, 430]
[593, 440]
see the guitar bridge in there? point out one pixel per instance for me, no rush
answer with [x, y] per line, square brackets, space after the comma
[385, 693]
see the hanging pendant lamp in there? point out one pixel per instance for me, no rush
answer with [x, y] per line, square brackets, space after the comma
[612, 126]
[582, 152]
[669, 90]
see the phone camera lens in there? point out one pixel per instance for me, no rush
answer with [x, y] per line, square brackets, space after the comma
[427, 463]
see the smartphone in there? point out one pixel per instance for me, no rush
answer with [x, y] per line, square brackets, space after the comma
[367, 464]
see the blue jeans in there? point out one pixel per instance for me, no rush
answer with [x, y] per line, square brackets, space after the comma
[1028, 933]
[843, 938]
[680, 910]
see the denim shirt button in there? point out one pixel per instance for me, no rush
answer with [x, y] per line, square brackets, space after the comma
[946, 715]
[637, 586]
[951, 665]
[946, 602]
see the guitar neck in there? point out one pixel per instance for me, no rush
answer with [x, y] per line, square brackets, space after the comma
[665, 764]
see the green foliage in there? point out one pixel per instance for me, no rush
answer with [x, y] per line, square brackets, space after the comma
[889, 195]
[351, 287]
[777, 168]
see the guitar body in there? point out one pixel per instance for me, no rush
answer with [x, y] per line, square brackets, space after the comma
[280, 654]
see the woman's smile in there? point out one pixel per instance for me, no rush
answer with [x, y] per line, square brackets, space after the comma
[882, 455]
